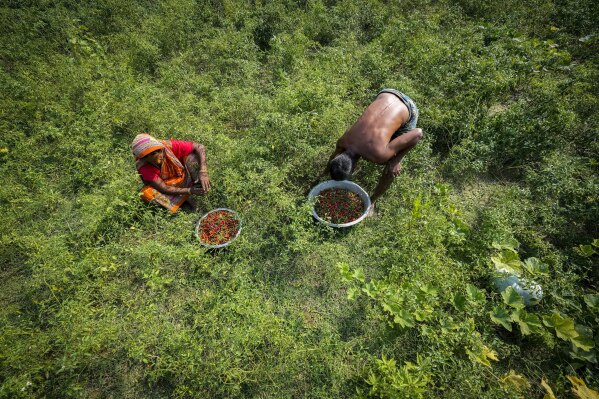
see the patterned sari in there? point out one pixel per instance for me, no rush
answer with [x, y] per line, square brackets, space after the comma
[172, 172]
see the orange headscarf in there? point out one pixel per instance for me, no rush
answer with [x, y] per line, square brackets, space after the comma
[172, 171]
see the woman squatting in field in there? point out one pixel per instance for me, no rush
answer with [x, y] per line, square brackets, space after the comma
[170, 170]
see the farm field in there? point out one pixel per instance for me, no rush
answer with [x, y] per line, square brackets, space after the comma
[103, 296]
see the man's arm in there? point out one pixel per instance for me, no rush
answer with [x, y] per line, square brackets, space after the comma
[203, 178]
[404, 147]
[393, 167]
[405, 142]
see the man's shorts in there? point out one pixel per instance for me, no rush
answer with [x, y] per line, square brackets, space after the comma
[412, 120]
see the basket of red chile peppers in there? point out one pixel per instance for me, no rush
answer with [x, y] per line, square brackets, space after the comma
[339, 203]
[218, 228]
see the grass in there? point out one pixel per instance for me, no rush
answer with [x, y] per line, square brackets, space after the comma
[104, 296]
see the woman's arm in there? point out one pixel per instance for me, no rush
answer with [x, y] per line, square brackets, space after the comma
[203, 178]
[164, 188]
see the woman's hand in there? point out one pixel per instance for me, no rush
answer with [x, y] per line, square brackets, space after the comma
[204, 180]
[195, 190]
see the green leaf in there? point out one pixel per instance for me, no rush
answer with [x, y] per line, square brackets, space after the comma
[595, 243]
[359, 274]
[500, 315]
[423, 314]
[370, 289]
[428, 289]
[516, 381]
[346, 275]
[404, 319]
[448, 325]
[482, 355]
[509, 261]
[564, 327]
[584, 340]
[535, 266]
[510, 244]
[474, 294]
[586, 250]
[459, 300]
[580, 389]
[460, 225]
[391, 307]
[548, 391]
[353, 293]
[592, 301]
[528, 322]
[512, 298]
[585, 356]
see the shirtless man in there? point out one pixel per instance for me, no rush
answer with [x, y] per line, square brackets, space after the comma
[384, 134]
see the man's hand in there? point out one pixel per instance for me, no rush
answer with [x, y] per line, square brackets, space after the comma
[394, 168]
[372, 212]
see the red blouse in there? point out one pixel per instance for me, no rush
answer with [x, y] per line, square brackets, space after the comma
[181, 149]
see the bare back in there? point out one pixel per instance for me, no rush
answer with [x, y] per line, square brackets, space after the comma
[369, 137]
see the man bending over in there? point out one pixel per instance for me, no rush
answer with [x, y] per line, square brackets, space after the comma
[384, 134]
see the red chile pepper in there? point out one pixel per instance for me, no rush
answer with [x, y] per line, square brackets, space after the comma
[339, 206]
[218, 227]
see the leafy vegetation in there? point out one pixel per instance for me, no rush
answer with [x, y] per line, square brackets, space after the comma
[103, 296]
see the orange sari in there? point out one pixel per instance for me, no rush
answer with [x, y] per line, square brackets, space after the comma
[174, 173]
